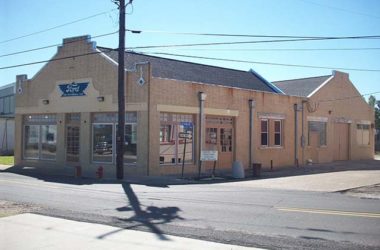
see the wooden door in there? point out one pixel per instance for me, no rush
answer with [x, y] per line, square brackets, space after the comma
[219, 137]
[341, 141]
[314, 145]
[225, 147]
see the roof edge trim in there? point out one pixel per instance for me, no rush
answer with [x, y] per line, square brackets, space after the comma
[270, 85]
[320, 86]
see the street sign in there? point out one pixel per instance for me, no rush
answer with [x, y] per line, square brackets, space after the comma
[209, 155]
[185, 135]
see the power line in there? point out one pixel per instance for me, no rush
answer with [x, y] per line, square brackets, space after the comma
[56, 27]
[54, 45]
[251, 42]
[222, 43]
[265, 63]
[340, 9]
[198, 57]
[51, 60]
[247, 35]
[290, 49]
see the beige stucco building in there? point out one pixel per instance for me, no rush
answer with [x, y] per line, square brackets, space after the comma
[66, 116]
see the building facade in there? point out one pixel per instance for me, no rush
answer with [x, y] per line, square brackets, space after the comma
[66, 116]
[7, 114]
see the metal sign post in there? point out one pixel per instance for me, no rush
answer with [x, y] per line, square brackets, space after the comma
[184, 136]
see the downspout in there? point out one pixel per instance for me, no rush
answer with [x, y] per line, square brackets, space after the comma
[303, 141]
[296, 134]
[252, 105]
[202, 98]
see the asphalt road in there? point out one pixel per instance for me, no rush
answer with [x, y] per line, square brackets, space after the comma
[247, 216]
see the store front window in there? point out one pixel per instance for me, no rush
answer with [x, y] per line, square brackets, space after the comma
[104, 130]
[40, 137]
[173, 127]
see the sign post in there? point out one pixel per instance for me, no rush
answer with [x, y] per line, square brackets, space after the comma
[184, 136]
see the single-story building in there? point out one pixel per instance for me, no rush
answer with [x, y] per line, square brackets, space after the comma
[66, 116]
[7, 115]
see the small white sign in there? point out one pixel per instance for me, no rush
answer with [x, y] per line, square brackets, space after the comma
[209, 155]
[185, 135]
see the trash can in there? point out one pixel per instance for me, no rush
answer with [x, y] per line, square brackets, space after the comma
[256, 167]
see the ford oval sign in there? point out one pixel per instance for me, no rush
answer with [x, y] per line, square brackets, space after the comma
[73, 89]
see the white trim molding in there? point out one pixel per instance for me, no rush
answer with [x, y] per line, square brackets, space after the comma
[275, 116]
[317, 119]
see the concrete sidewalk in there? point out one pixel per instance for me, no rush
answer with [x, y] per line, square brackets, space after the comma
[31, 231]
[323, 182]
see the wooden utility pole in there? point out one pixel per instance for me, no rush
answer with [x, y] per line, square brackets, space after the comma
[120, 139]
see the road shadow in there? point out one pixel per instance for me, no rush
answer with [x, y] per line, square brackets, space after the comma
[147, 218]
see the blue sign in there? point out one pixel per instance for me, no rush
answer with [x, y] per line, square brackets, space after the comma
[73, 89]
[187, 125]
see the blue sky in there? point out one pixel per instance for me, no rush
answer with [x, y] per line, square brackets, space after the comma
[257, 17]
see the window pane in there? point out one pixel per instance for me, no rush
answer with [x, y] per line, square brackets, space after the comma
[167, 144]
[277, 126]
[226, 139]
[264, 139]
[187, 128]
[31, 137]
[72, 143]
[322, 134]
[102, 143]
[130, 148]
[171, 145]
[48, 141]
[264, 126]
[277, 139]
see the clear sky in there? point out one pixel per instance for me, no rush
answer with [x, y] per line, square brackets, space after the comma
[256, 17]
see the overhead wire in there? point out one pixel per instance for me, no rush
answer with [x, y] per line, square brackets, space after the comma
[134, 31]
[55, 45]
[56, 27]
[288, 49]
[341, 9]
[216, 43]
[258, 62]
[246, 42]
[197, 57]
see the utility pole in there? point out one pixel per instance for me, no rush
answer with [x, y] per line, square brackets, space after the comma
[120, 139]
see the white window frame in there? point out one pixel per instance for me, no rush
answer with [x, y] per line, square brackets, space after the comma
[274, 133]
[261, 132]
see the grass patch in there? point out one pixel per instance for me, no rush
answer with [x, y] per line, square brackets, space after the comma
[7, 160]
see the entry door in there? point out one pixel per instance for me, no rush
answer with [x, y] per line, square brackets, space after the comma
[225, 147]
[314, 145]
[72, 143]
[220, 139]
[341, 141]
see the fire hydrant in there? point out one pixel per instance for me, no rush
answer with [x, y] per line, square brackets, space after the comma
[99, 172]
[78, 171]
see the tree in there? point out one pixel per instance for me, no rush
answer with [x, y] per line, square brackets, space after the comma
[376, 105]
